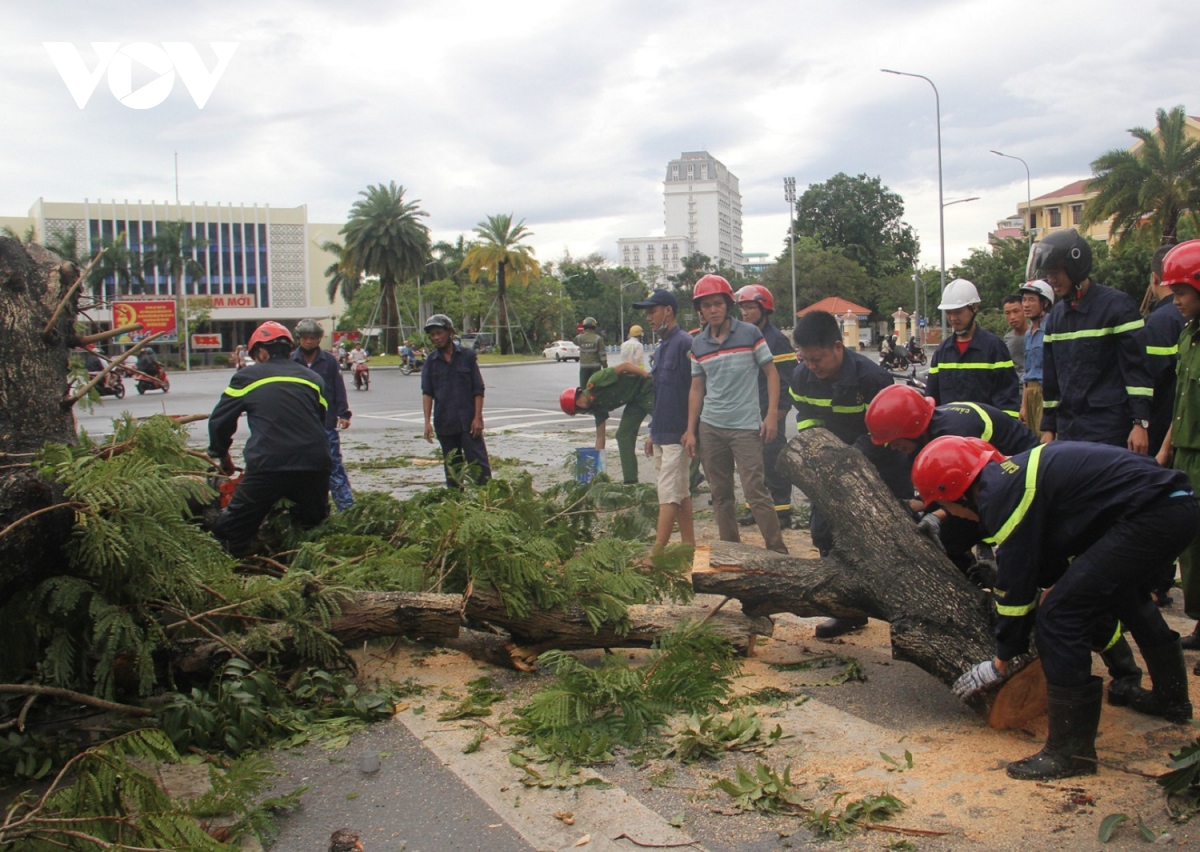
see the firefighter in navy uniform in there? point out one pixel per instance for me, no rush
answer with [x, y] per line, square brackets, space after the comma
[757, 304]
[831, 387]
[1163, 326]
[973, 365]
[1096, 384]
[903, 420]
[287, 453]
[1094, 526]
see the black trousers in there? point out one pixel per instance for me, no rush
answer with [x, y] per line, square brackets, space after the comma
[778, 484]
[1113, 577]
[459, 448]
[258, 492]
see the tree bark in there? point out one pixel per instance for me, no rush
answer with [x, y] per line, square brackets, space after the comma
[880, 566]
[34, 340]
[373, 615]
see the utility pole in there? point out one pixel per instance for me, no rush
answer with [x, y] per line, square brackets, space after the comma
[789, 194]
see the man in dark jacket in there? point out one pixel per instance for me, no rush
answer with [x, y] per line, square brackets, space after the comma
[973, 365]
[757, 304]
[1095, 381]
[287, 454]
[337, 415]
[452, 397]
[1082, 533]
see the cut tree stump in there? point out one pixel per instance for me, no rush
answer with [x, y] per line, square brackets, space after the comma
[880, 567]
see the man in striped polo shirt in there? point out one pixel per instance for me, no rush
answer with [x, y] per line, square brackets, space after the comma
[723, 410]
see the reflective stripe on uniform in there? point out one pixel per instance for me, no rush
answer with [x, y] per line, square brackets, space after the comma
[1094, 332]
[1018, 514]
[1115, 638]
[1165, 351]
[786, 356]
[1136, 391]
[1049, 403]
[808, 424]
[270, 379]
[1015, 611]
[983, 415]
[828, 403]
[985, 365]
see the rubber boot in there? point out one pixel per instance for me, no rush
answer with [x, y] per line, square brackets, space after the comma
[1124, 671]
[1070, 749]
[1168, 693]
[1191, 642]
[832, 627]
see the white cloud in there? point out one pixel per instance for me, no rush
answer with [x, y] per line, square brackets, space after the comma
[565, 112]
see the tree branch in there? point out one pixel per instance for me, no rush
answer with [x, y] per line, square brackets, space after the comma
[71, 695]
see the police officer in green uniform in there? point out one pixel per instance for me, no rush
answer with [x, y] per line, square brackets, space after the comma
[612, 387]
[592, 355]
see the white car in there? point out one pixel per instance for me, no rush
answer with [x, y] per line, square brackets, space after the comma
[561, 350]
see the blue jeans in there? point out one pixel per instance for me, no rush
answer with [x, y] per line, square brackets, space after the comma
[339, 483]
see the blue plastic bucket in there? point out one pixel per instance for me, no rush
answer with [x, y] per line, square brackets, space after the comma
[588, 463]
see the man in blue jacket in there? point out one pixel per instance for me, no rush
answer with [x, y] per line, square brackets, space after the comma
[337, 414]
[1083, 532]
[452, 398]
[973, 365]
[1095, 382]
[287, 453]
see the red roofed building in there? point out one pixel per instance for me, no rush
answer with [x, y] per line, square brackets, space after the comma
[837, 306]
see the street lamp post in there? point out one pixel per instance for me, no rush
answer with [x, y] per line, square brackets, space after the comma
[789, 194]
[1028, 194]
[941, 206]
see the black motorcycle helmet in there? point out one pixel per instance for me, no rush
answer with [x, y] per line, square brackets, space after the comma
[439, 321]
[1065, 250]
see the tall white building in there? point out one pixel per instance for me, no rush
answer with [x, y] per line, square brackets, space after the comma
[702, 213]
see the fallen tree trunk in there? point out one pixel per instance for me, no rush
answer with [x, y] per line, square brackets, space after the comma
[880, 567]
[374, 615]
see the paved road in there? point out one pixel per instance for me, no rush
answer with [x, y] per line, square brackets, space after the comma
[520, 397]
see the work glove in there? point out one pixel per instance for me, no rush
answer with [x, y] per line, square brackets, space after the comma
[976, 679]
[930, 526]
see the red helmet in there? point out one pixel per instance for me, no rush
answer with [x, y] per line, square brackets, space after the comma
[269, 332]
[1182, 265]
[711, 285]
[566, 401]
[945, 469]
[755, 293]
[898, 411]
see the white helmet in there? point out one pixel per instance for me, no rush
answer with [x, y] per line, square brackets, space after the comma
[1040, 287]
[959, 293]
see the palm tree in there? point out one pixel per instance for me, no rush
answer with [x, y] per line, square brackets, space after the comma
[1160, 180]
[171, 250]
[342, 275]
[385, 237]
[25, 238]
[448, 266]
[66, 245]
[120, 264]
[501, 253]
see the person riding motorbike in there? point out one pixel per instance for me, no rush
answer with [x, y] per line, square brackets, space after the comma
[358, 358]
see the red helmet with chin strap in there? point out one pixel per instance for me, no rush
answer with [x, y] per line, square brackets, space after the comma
[1182, 265]
[755, 293]
[898, 411]
[566, 401]
[711, 285]
[945, 469]
[269, 332]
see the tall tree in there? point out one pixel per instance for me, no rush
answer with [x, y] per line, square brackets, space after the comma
[119, 264]
[863, 218]
[24, 238]
[1159, 181]
[500, 253]
[386, 237]
[171, 251]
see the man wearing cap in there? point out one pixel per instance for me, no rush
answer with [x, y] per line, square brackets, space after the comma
[633, 351]
[452, 398]
[1037, 297]
[337, 415]
[723, 415]
[613, 387]
[593, 357]
[287, 453]
[671, 374]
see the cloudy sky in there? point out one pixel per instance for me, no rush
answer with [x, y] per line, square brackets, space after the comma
[566, 113]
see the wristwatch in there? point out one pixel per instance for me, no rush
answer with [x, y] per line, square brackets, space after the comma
[1145, 424]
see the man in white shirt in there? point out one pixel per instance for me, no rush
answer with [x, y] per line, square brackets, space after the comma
[632, 350]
